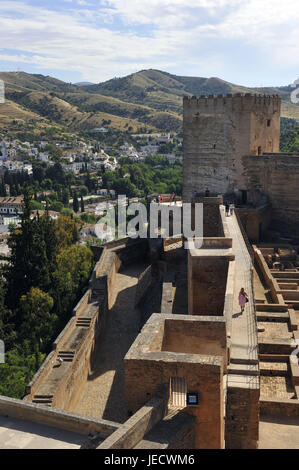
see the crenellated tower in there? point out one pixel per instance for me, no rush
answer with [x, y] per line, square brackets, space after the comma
[218, 132]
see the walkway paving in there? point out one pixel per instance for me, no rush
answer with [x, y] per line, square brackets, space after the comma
[19, 434]
[103, 395]
[244, 347]
[277, 432]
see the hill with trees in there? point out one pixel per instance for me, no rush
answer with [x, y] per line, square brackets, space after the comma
[149, 99]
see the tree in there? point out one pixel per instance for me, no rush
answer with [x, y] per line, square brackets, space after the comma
[7, 327]
[65, 196]
[36, 306]
[75, 203]
[66, 232]
[33, 255]
[82, 204]
[74, 264]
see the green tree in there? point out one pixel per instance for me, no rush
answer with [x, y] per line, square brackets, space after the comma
[33, 255]
[82, 204]
[75, 203]
[36, 306]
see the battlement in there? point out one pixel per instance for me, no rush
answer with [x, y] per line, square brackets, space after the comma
[247, 102]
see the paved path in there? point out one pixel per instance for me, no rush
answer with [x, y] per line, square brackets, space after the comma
[103, 395]
[19, 434]
[279, 432]
[243, 329]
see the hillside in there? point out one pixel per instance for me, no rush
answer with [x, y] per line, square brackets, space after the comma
[149, 99]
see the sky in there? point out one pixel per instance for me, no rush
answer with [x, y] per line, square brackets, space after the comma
[246, 42]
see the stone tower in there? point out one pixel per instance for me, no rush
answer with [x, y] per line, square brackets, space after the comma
[218, 132]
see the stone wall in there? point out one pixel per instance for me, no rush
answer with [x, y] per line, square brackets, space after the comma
[206, 335]
[207, 284]
[277, 176]
[254, 221]
[134, 429]
[146, 370]
[242, 413]
[218, 131]
[144, 282]
[59, 419]
[279, 407]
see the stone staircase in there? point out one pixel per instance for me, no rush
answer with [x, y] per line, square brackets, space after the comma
[83, 322]
[66, 356]
[43, 400]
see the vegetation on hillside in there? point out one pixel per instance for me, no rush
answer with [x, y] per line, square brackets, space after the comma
[289, 136]
[154, 175]
[149, 97]
[45, 276]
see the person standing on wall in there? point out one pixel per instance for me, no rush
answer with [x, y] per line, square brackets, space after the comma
[231, 209]
[226, 209]
[243, 299]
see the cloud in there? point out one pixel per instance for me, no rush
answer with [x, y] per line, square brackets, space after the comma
[105, 38]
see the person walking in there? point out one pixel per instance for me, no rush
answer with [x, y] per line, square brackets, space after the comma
[243, 299]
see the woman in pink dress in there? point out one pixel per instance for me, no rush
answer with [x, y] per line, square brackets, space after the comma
[243, 298]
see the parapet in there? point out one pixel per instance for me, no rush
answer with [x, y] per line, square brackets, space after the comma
[233, 102]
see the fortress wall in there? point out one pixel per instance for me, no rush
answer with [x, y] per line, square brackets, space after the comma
[59, 419]
[207, 377]
[206, 335]
[279, 407]
[70, 386]
[267, 275]
[83, 302]
[242, 413]
[134, 429]
[218, 131]
[253, 223]
[276, 176]
[40, 376]
[66, 382]
[208, 276]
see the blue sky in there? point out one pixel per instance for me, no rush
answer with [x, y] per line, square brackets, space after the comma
[247, 42]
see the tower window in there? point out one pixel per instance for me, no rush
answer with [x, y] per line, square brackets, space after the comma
[268, 122]
[259, 150]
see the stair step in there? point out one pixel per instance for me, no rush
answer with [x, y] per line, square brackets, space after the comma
[66, 356]
[243, 369]
[270, 316]
[43, 396]
[236, 360]
[42, 401]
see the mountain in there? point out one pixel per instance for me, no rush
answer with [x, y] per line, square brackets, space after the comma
[161, 90]
[83, 83]
[149, 99]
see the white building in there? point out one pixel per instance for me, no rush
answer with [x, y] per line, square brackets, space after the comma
[11, 205]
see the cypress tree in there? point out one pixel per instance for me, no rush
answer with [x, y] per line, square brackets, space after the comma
[75, 203]
[82, 204]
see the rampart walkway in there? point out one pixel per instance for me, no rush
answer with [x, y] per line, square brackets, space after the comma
[244, 346]
[103, 394]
